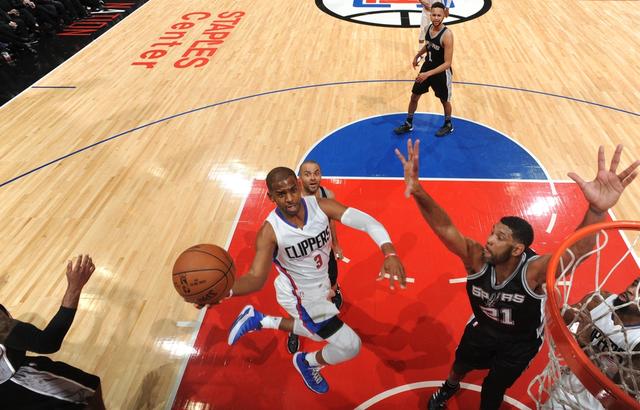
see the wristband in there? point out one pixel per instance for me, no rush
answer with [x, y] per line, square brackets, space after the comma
[389, 254]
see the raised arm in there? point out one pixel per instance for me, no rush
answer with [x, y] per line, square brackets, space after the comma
[602, 194]
[467, 249]
[258, 273]
[27, 337]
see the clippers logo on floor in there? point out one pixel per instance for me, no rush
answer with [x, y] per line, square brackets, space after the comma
[398, 13]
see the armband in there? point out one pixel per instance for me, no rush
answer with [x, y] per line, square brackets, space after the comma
[359, 220]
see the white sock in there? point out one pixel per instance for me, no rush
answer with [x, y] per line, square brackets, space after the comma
[270, 322]
[311, 359]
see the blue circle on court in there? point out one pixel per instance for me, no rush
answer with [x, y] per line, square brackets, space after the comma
[365, 148]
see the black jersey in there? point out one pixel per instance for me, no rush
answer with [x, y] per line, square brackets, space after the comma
[435, 49]
[510, 309]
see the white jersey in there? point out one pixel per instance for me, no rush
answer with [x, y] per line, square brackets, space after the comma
[608, 329]
[607, 333]
[302, 255]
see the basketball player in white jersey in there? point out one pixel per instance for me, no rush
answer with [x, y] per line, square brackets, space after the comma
[425, 17]
[613, 325]
[296, 237]
[310, 176]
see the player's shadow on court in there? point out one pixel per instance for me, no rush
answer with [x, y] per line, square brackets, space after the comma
[410, 340]
[414, 342]
[151, 394]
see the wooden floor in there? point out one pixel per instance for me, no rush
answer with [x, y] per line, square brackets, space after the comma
[560, 78]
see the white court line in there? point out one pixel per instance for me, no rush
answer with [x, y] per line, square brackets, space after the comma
[345, 259]
[409, 280]
[187, 324]
[549, 180]
[458, 280]
[198, 323]
[422, 385]
[552, 222]
[625, 239]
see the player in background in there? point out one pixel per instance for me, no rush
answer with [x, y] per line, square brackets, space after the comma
[310, 176]
[425, 18]
[435, 73]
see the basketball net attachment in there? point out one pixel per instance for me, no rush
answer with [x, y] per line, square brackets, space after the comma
[594, 358]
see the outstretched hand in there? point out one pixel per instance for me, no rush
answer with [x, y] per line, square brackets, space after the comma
[393, 267]
[209, 305]
[604, 191]
[79, 273]
[410, 165]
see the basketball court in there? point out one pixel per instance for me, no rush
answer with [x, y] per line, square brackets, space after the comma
[152, 152]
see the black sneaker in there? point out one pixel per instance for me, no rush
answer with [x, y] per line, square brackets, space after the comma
[439, 399]
[447, 128]
[404, 128]
[293, 343]
[337, 299]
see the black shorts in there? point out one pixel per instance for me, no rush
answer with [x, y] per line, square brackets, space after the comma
[479, 349]
[440, 83]
[333, 268]
[41, 383]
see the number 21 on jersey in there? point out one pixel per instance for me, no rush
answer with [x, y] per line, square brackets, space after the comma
[503, 316]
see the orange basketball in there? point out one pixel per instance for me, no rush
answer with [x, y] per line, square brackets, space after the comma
[203, 274]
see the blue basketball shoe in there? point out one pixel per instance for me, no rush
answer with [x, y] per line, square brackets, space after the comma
[310, 374]
[247, 321]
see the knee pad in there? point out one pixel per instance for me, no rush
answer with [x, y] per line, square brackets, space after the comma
[343, 345]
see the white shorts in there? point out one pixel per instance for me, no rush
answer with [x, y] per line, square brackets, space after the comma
[310, 305]
[425, 20]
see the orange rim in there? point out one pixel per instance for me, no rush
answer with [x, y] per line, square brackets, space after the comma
[604, 389]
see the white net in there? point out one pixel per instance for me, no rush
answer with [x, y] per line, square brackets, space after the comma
[599, 301]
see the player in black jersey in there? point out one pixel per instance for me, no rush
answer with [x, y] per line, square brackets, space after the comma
[37, 382]
[505, 280]
[435, 72]
[310, 176]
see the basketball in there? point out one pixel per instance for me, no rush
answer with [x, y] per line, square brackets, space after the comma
[203, 274]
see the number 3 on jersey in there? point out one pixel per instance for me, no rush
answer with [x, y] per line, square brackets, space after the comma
[318, 259]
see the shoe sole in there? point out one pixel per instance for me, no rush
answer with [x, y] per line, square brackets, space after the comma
[237, 324]
[295, 364]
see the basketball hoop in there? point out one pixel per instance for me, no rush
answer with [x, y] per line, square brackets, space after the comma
[557, 384]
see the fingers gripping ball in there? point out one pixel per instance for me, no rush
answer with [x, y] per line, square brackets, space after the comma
[203, 274]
